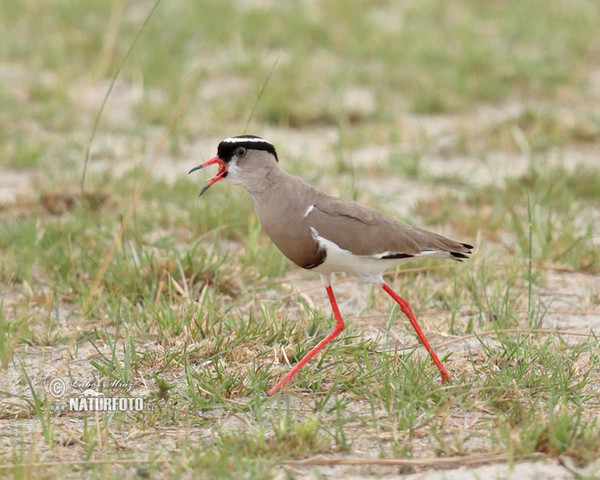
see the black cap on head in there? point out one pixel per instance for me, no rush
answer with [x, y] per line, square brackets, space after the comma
[251, 142]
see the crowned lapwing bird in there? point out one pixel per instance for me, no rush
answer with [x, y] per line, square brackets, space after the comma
[326, 234]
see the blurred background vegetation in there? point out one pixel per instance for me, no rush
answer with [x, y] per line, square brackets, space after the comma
[427, 57]
[480, 119]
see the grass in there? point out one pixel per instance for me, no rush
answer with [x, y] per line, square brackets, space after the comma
[201, 314]
[542, 130]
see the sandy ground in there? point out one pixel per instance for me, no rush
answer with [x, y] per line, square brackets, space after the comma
[526, 470]
[566, 293]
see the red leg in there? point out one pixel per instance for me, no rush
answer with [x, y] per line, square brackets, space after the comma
[405, 307]
[339, 326]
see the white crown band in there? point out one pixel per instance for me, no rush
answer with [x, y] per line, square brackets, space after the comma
[245, 139]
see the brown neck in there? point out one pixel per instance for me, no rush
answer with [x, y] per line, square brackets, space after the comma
[281, 212]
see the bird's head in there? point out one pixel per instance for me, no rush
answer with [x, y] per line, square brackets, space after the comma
[241, 160]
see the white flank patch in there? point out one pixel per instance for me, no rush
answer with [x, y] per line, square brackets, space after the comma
[381, 255]
[245, 139]
[308, 210]
[368, 267]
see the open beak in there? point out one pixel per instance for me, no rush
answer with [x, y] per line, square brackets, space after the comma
[220, 173]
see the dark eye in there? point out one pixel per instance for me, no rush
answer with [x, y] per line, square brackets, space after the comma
[240, 152]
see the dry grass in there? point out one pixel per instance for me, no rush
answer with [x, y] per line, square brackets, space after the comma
[134, 287]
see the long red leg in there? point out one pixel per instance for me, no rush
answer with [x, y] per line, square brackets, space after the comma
[405, 307]
[339, 327]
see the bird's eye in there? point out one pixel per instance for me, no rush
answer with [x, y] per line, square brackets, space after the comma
[240, 152]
